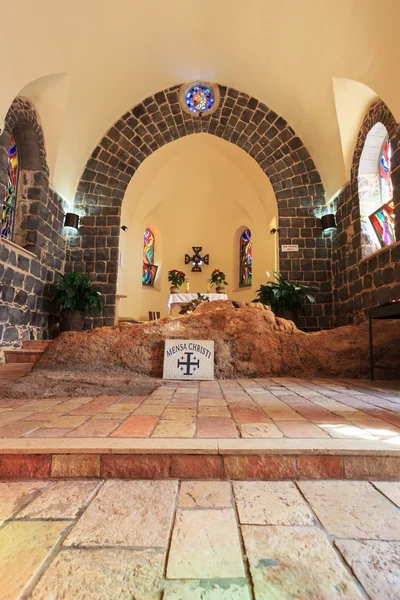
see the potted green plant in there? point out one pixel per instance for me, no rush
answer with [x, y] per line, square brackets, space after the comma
[285, 298]
[218, 279]
[76, 294]
[176, 278]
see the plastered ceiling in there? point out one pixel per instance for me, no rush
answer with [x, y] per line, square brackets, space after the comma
[86, 62]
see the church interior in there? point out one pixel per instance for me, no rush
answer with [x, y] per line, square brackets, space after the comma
[200, 300]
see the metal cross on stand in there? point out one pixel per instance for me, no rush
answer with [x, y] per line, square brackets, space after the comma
[188, 363]
[197, 260]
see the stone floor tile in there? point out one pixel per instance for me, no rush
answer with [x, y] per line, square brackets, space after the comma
[149, 410]
[47, 433]
[216, 427]
[102, 574]
[376, 566]
[205, 494]
[174, 429]
[214, 411]
[19, 428]
[270, 503]
[135, 427]
[16, 415]
[206, 590]
[119, 409]
[94, 428]
[139, 513]
[212, 402]
[260, 430]
[294, 429]
[391, 489]
[352, 509]
[65, 422]
[14, 494]
[216, 551]
[179, 413]
[295, 562]
[23, 547]
[62, 500]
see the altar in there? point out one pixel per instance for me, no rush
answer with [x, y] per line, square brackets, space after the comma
[185, 298]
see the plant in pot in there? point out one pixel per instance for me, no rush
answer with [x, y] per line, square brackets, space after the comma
[176, 278]
[218, 279]
[285, 298]
[76, 294]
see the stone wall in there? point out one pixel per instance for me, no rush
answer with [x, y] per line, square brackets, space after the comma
[27, 266]
[240, 119]
[360, 283]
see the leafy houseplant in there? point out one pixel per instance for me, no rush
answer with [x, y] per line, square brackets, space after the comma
[218, 279]
[76, 294]
[176, 278]
[285, 298]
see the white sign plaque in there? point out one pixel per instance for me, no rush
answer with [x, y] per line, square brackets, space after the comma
[290, 247]
[189, 359]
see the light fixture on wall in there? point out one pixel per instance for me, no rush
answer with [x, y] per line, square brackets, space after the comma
[124, 228]
[71, 220]
[274, 230]
[328, 223]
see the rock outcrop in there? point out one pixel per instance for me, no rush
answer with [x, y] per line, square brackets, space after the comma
[249, 342]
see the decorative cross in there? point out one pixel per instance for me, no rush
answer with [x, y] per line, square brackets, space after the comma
[188, 364]
[197, 260]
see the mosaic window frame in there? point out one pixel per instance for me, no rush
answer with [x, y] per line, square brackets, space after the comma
[149, 270]
[9, 204]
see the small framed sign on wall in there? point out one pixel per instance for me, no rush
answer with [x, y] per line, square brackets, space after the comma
[190, 360]
[290, 247]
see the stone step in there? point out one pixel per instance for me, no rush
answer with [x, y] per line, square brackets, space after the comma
[22, 356]
[197, 459]
[35, 344]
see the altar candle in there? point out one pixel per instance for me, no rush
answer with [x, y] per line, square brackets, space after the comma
[187, 286]
[208, 287]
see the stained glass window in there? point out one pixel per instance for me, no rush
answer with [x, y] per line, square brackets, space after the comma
[149, 269]
[10, 197]
[199, 98]
[246, 259]
[385, 173]
[383, 223]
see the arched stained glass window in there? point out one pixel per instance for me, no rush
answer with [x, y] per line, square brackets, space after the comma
[385, 172]
[246, 259]
[149, 268]
[10, 196]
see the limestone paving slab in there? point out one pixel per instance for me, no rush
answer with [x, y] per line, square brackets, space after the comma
[270, 503]
[15, 494]
[134, 518]
[352, 509]
[376, 565]
[295, 562]
[206, 590]
[23, 547]
[217, 551]
[62, 500]
[391, 489]
[205, 494]
[102, 574]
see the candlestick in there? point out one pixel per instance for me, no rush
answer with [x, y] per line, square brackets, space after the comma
[187, 286]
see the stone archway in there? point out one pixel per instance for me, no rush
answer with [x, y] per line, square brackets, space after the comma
[239, 119]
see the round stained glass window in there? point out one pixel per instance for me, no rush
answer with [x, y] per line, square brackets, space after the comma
[199, 98]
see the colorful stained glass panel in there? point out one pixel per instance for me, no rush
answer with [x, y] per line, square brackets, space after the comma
[383, 223]
[199, 98]
[149, 274]
[385, 173]
[148, 247]
[246, 259]
[10, 196]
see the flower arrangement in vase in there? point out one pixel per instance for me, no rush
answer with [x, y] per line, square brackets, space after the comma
[218, 279]
[176, 278]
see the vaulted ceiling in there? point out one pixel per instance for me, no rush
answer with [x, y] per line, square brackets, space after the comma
[318, 63]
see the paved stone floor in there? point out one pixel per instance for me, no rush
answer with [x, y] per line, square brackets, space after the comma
[199, 540]
[248, 408]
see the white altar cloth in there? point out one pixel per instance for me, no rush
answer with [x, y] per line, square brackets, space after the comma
[185, 298]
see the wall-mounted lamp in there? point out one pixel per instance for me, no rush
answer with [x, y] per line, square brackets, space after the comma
[274, 230]
[328, 222]
[124, 228]
[71, 220]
